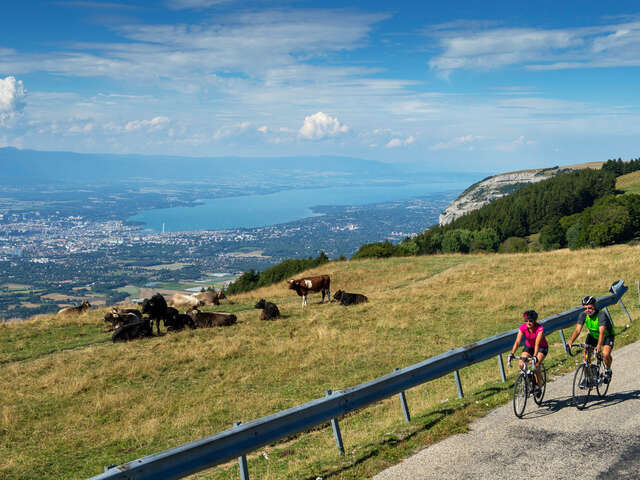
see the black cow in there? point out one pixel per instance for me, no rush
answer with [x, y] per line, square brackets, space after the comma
[269, 310]
[175, 321]
[211, 319]
[156, 308]
[349, 298]
[141, 328]
[118, 319]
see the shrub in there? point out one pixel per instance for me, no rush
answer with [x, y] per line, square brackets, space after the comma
[513, 245]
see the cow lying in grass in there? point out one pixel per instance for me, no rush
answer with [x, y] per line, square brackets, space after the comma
[349, 298]
[74, 310]
[180, 300]
[210, 297]
[211, 319]
[175, 321]
[119, 318]
[138, 329]
[269, 310]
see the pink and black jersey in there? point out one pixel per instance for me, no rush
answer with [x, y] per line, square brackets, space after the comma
[530, 338]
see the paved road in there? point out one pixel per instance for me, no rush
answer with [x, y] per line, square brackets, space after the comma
[555, 441]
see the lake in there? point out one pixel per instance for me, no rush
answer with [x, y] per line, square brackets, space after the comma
[287, 205]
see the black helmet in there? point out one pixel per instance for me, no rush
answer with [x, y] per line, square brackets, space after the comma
[589, 300]
[530, 315]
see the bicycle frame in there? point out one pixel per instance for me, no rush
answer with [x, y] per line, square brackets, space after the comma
[588, 375]
[525, 384]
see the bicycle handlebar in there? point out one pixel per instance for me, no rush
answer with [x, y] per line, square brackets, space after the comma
[532, 359]
[584, 346]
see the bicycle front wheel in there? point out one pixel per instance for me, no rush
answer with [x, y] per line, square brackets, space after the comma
[581, 387]
[520, 395]
[601, 387]
[543, 385]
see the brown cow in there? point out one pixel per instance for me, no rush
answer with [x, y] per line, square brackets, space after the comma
[302, 286]
[211, 319]
[74, 310]
[269, 310]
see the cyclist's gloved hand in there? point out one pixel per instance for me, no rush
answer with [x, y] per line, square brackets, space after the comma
[509, 358]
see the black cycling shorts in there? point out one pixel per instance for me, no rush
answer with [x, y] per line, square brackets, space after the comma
[593, 342]
[529, 350]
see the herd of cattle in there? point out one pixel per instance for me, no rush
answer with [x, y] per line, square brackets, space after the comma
[130, 323]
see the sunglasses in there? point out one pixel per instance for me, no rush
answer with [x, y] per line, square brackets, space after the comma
[589, 307]
[529, 320]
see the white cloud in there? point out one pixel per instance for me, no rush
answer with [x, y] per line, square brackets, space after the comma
[193, 4]
[399, 142]
[153, 125]
[515, 144]
[231, 130]
[320, 125]
[82, 128]
[465, 140]
[263, 129]
[539, 49]
[12, 99]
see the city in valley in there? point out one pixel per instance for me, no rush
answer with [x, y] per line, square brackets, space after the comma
[61, 245]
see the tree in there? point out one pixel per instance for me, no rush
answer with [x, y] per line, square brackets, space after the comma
[456, 241]
[486, 240]
[552, 236]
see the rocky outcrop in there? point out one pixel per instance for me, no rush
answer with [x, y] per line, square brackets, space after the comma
[492, 188]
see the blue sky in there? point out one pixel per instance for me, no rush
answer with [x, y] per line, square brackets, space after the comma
[464, 85]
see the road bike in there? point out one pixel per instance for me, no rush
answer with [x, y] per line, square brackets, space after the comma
[525, 384]
[588, 376]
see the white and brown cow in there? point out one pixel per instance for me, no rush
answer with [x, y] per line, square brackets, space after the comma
[320, 283]
[180, 300]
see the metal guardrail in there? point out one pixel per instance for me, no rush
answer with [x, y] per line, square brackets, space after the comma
[244, 438]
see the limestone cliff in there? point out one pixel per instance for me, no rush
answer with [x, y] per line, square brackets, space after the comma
[492, 188]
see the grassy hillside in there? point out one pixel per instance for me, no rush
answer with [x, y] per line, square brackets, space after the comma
[72, 402]
[629, 183]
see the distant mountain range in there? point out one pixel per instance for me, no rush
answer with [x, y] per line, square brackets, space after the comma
[32, 166]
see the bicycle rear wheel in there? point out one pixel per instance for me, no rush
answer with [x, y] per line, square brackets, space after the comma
[543, 385]
[520, 395]
[581, 387]
[601, 387]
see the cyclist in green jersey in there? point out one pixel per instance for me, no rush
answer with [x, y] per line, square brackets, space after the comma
[600, 336]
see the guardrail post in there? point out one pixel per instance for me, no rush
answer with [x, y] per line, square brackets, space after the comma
[564, 341]
[625, 310]
[622, 304]
[336, 431]
[503, 376]
[242, 463]
[403, 402]
[456, 375]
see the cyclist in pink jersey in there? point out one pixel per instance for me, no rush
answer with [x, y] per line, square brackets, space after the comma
[535, 342]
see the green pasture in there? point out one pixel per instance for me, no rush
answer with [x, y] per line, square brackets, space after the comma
[73, 402]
